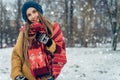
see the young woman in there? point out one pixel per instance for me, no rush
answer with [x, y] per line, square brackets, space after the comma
[39, 53]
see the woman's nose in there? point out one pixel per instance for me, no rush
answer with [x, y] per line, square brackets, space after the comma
[33, 16]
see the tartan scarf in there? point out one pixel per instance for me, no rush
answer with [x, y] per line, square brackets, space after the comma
[57, 62]
[38, 60]
[36, 27]
[36, 55]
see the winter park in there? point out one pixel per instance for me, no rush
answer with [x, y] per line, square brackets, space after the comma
[90, 28]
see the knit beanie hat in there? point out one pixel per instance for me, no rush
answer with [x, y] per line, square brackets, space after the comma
[29, 4]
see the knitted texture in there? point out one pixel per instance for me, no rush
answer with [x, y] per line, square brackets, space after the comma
[29, 4]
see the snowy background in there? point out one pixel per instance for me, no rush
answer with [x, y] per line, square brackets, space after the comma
[83, 64]
[85, 23]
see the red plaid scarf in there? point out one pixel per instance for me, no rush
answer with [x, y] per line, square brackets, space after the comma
[36, 27]
[55, 63]
[59, 58]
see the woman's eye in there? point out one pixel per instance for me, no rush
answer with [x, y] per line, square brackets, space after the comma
[34, 11]
[28, 15]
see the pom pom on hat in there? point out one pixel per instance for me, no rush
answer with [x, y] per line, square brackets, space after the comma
[29, 4]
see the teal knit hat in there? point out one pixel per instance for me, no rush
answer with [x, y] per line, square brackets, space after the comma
[29, 4]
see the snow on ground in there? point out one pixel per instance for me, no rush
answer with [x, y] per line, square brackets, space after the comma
[5, 63]
[83, 64]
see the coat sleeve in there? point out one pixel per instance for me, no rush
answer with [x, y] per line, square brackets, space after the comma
[59, 57]
[16, 58]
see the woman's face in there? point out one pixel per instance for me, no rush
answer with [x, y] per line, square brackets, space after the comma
[32, 15]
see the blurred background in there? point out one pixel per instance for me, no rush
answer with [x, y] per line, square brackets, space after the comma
[85, 23]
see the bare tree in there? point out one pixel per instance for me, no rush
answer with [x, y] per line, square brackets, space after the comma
[18, 18]
[112, 7]
[71, 24]
[1, 24]
[87, 18]
[66, 20]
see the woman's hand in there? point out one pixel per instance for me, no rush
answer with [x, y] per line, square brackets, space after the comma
[21, 78]
[43, 38]
[37, 27]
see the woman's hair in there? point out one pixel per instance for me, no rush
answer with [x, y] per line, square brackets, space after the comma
[26, 39]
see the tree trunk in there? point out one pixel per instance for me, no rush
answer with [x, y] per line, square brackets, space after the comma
[71, 24]
[1, 24]
[18, 19]
[66, 20]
